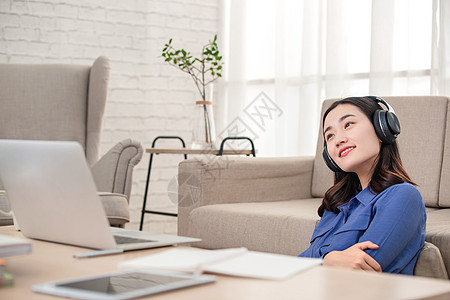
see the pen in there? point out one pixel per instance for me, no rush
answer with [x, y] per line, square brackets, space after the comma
[97, 253]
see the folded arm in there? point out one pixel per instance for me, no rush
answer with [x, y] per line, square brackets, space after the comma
[353, 257]
[398, 227]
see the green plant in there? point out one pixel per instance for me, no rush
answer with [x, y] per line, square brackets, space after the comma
[203, 70]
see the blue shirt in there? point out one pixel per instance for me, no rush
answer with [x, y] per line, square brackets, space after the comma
[394, 220]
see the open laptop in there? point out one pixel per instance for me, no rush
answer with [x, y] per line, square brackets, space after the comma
[54, 198]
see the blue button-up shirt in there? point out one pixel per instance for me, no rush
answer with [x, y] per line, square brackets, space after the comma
[394, 220]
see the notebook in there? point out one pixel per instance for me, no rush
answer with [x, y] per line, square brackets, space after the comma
[13, 246]
[54, 198]
[232, 262]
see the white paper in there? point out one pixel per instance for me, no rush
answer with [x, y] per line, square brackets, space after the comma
[182, 260]
[263, 265]
[234, 262]
[13, 246]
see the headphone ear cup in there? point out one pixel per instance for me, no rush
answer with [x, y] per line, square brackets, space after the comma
[393, 123]
[386, 125]
[329, 161]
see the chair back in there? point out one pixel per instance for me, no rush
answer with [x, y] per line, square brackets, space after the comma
[54, 102]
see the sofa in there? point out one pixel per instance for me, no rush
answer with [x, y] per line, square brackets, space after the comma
[270, 204]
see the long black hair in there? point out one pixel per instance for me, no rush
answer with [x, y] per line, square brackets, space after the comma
[387, 171]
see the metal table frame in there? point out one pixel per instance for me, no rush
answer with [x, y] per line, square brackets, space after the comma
[186, 151]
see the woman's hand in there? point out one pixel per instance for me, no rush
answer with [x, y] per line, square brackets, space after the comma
[353, 257]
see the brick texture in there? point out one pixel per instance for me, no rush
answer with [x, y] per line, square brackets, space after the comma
[146, 97]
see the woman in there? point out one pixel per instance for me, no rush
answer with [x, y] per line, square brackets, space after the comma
[373, 217]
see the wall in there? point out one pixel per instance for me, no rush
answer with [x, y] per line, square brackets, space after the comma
[146, 97]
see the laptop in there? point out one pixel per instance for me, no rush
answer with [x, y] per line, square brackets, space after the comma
[54, 198]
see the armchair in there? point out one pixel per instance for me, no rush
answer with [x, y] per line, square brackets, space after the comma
[67, 102]
[270, 204]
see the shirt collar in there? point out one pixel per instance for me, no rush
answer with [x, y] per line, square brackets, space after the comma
[365, 196]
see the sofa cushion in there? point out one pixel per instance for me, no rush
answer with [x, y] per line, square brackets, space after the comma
[416, 123]
[430, 263]
[283, 227]
[444, 191]
[116, 208]
[438, 232]
[322, 176]
[115, 205]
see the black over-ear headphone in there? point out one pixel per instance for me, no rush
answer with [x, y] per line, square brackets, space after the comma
[387, 128]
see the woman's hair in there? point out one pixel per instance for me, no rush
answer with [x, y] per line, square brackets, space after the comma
[387, 171]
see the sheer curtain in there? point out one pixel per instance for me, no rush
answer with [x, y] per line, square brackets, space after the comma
[440, 67]
[284, 57]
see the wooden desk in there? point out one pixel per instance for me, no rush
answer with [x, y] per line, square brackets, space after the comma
[52, 262]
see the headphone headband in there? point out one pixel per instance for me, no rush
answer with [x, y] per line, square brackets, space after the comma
[379, 100]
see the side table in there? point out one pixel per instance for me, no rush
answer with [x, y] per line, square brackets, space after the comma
[185, 151]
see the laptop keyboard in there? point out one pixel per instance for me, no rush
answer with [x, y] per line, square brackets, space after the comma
[129, 240]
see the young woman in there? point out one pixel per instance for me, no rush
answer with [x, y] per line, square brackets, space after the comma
[373, 217]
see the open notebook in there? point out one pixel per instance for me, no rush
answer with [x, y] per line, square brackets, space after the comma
[235, 262]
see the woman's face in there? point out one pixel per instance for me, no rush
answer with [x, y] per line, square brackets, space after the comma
[351, 140]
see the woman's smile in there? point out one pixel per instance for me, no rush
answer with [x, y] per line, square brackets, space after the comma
[345, 151]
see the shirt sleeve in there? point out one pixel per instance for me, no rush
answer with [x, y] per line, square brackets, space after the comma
[398, 224]
[326, 223]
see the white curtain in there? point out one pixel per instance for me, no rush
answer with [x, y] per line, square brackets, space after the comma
[440, 68]
[284, 57]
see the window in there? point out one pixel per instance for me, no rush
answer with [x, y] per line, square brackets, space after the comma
[301, 52]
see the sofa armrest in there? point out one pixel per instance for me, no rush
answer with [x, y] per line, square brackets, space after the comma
[113, 172]
[216, 180]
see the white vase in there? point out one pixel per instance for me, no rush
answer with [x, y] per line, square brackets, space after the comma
[203, 133]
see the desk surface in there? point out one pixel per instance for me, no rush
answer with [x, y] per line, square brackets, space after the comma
[198, 151]
[52, 262]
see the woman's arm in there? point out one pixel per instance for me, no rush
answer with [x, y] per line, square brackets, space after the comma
[395, 234]
[397, 227]
[353, 257]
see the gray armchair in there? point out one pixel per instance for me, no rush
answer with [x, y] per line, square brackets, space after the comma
[67, 102]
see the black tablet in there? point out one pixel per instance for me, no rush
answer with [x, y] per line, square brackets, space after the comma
[121, 285]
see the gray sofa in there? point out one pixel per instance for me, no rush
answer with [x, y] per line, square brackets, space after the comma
[270, 204]
[67, 102]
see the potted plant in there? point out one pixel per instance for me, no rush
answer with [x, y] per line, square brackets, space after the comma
[204, 70]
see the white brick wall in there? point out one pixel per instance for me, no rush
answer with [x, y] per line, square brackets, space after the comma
[146, 97]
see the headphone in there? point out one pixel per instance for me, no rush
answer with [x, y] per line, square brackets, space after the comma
[387, 128]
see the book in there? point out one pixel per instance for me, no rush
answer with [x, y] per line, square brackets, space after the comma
[234, 262]
[13, 246]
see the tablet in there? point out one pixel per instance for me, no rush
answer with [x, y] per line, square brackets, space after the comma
[121, 285]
